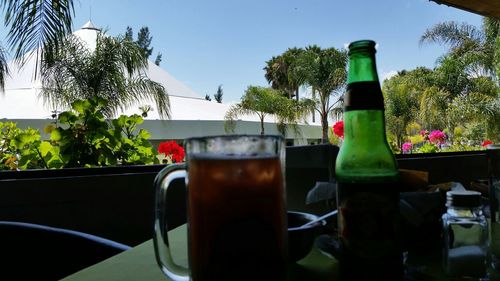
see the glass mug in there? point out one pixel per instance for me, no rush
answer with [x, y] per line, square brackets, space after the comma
[236, 205]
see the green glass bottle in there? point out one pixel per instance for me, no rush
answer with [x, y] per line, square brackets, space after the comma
[367, 176]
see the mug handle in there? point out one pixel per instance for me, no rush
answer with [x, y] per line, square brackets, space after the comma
[160, 234]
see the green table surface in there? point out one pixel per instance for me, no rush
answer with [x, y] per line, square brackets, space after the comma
[139, 263]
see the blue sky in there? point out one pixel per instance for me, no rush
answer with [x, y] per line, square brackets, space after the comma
[208, 43]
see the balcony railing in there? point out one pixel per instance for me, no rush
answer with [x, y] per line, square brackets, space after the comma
[117, 202]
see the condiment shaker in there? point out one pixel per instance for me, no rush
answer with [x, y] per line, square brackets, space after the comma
[465, 230]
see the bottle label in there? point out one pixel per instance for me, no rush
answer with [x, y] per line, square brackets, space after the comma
[363, 95]
[369, 220]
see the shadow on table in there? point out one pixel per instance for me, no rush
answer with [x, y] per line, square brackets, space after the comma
[39, 252]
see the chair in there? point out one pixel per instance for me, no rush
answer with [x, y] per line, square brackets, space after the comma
[47, 253]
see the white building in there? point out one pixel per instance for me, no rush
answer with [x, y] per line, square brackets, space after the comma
[191, 114]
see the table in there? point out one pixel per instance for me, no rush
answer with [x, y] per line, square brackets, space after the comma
[139, 263]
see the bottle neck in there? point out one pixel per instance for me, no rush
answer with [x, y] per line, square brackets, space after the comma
[363, 88]
[362, 67]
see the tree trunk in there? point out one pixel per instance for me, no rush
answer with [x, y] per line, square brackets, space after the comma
[324, 127]
[297, 94]
[262, 125]
[314, 99]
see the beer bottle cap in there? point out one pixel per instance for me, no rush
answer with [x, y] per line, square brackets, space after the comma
[362, 45]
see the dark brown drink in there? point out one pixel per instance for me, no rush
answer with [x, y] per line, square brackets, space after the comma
[237, 219]
[369, 232]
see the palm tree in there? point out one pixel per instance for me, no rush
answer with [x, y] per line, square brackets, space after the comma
[264, 101]
[472, 45]
[478, 107]
[324, 70]
[114, 71]
[292, 55]
[279, 72]
[433, 104]
[468, 74]
[34, 25]
[276, 73]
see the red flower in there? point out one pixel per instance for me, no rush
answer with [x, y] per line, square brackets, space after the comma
[172, 149]
[338, 129]
[486, 143]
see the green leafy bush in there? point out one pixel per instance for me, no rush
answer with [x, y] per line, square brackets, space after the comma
[82, 138]
[23, 149]
[87, 139]
[427, 148]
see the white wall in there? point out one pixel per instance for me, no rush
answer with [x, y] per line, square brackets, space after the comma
[181, 129]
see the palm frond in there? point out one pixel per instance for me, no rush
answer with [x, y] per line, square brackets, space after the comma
[454, 35]
[77, 72]
[132, 55]
[491, 27]
[63, 74]
[36, 25]
[143, 89]
[4, 70]
[232, 115]
[433, 104]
